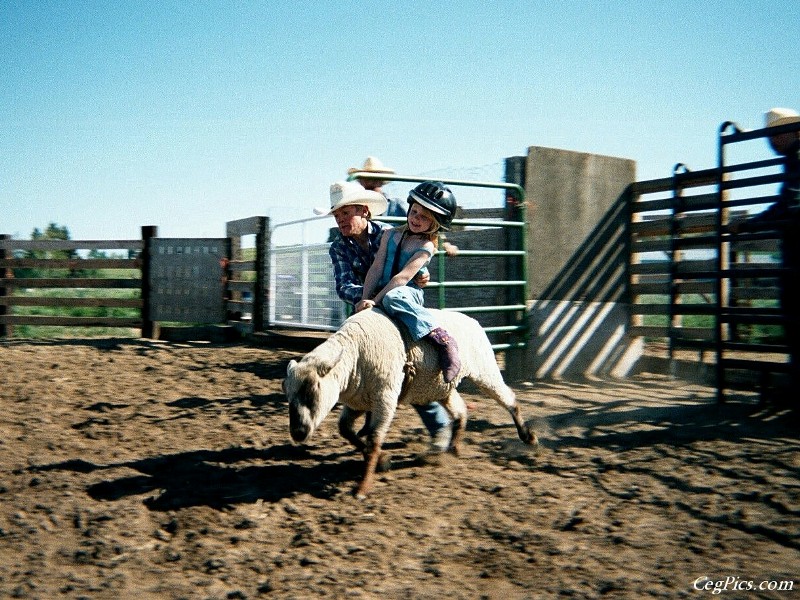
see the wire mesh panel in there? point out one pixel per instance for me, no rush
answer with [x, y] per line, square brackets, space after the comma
[186, 280]
[304, 291]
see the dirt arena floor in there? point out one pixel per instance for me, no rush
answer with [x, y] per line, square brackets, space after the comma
[140, 469]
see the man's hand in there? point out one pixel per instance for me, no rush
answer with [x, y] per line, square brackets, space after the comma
[450, 249]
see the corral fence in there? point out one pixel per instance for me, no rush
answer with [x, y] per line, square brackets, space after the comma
[487, 279]
[38, 274]
[251, 281]
[701, 280]
[131, 284]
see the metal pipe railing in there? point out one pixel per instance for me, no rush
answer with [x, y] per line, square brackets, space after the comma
[442, 285]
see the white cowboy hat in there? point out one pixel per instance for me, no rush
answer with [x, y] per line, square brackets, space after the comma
[347, 193]
[781, 116]
[371, 165]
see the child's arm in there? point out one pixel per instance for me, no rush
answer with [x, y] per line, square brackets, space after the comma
[374, 272]
[409, 270]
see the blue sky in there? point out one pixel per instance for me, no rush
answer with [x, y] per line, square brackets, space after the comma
[185, 114]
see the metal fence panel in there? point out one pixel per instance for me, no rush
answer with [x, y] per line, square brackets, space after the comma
[304, 290]
[187, 280]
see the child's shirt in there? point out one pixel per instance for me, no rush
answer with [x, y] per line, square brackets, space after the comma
[405, 256]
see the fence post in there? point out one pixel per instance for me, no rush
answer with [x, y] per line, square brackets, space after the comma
[150, 328]
[261, 291]
[514, 173]
[5, 330]
[233, 252]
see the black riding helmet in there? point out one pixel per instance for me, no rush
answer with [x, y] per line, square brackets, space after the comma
[438, 199]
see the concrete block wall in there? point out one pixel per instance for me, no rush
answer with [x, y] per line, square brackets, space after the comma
[577, 246]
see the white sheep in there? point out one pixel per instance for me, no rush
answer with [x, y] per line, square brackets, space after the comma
[369, 366]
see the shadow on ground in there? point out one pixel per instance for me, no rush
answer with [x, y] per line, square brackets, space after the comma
[213, 479]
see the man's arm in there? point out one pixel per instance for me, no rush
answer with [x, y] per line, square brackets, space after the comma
[348, 287]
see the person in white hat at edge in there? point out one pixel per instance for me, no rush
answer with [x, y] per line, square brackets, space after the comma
[372, 165]
[784, 216]
[352, 252]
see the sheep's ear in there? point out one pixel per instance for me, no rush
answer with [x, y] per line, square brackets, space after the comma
[291, 366]
[323, 363]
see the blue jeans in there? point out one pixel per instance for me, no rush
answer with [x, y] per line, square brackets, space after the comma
[434, 416]
[405, 304]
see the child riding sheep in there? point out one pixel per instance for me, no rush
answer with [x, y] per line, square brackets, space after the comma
[405, 251]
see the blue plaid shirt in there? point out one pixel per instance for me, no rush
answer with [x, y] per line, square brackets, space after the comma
[351, 262]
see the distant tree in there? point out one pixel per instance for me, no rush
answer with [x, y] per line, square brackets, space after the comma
[52, 232]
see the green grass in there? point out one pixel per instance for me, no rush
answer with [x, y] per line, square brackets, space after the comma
[40, 332]
[748, 333]
[50, 331]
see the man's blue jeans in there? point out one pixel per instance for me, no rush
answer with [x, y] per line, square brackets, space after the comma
[433, 416]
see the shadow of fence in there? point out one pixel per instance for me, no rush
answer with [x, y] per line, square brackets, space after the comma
[579, 322]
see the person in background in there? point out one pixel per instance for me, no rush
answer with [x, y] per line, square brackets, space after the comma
[787, 145]
[396, 207]
[352, 252]
[783, 216]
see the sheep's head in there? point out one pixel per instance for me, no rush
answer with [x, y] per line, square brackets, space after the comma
[311, 394]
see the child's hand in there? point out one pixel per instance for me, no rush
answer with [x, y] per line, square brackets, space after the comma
[364, 304]
[450, 249]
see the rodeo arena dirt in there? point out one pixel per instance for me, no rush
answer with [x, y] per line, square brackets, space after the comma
[150, 469]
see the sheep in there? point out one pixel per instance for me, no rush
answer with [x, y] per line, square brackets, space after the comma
[369, 366]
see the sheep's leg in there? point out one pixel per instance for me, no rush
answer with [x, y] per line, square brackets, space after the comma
[372, 457]
[455, 406]
[346, 421]
[492, 384]
[523, 431]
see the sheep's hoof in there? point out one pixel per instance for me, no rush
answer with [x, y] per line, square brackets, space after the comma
[528, 436]
[384, 463]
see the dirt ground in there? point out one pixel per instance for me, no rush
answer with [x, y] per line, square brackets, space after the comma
[140, 469]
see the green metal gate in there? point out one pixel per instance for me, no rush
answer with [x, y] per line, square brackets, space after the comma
[499, 302]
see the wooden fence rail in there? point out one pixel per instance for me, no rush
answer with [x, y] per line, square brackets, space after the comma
[51, 256]
[151, 273]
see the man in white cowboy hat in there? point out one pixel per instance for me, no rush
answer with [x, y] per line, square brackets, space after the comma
[783, 142]
[787, 145]
[784, 217]
[373, 166]
[352, 251]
